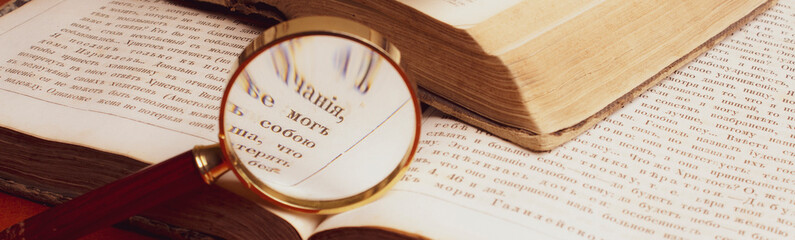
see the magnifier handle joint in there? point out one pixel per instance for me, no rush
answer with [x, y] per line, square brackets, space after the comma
[210, 162]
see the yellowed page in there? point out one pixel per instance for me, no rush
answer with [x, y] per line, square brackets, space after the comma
[137, 78]
[707, 154]
[461, 13]
[122, 75]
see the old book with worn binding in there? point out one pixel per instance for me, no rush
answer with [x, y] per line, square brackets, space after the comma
[536, 73]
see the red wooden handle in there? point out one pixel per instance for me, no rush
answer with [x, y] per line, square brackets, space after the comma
[112, 203]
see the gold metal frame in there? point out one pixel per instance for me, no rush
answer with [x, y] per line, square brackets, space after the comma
[210, 162]
[330, 26]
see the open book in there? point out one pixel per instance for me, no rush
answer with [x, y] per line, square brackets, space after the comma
[707, 153]
[538, 72]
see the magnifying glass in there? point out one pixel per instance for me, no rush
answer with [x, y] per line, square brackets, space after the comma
[318, 118]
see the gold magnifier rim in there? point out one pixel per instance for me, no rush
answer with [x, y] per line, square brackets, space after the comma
[326, 26]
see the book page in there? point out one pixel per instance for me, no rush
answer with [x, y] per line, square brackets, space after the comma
[137, 78]
[119, 73]
[460, 13]
[709, 153]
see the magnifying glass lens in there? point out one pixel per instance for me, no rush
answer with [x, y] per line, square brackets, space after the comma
[318, 118]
